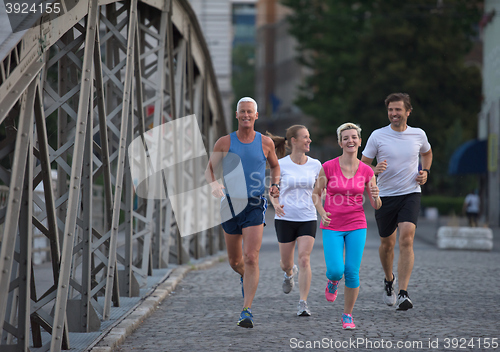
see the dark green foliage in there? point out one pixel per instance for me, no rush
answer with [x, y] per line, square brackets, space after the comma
[361, 51]
[445, 205]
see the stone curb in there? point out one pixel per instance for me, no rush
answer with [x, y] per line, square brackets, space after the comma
[148, 305]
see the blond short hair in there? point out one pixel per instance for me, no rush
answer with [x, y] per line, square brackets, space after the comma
[348, 126]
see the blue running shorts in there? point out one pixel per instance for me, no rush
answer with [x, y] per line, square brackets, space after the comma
[254, 214]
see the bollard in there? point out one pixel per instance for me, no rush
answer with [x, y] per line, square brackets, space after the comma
[471, 238]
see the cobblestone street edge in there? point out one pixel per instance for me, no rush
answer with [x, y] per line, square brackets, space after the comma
[148, 304]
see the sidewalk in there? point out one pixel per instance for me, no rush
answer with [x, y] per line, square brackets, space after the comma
[132, 310]
[455, 294]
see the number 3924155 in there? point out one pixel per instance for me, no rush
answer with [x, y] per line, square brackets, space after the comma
[27, 8]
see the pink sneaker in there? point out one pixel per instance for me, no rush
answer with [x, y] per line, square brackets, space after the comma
[347, 322]
[331, 290]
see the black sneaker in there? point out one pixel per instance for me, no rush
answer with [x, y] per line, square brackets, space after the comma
[404, 301]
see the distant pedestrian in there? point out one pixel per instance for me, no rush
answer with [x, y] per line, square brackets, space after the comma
[251, 150]
[296, 219]
[397, 148]
[472, 204]
[343, 218]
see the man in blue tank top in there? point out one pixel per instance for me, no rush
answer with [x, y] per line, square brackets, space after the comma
[250, 150]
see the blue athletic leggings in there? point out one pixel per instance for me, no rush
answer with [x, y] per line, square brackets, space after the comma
[333, 246]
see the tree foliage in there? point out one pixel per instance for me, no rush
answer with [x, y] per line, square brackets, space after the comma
[361, 51]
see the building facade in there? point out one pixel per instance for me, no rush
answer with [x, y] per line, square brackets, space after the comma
[244, 21]
[489, 120]
[278, 74]
[214, 17]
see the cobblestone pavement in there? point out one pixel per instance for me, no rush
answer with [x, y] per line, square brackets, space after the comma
[455, 294]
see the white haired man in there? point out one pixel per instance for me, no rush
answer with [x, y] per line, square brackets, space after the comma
[252, 150]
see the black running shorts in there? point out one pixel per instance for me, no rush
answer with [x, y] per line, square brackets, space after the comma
[396, 209]
[288, 231]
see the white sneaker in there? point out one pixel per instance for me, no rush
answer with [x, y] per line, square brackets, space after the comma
[303, 309]
[389, 295]
[288, 282]
[404, 302]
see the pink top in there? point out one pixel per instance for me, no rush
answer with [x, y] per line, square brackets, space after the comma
[344, 196]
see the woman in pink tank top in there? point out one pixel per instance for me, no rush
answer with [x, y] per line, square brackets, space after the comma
[343, 220]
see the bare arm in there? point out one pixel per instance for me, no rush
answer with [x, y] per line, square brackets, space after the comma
[316, 197]
[221, 147]
[278, 208]
[274, 166]
[381, 166]
[372, 190]
[426, 159]
[275, 201]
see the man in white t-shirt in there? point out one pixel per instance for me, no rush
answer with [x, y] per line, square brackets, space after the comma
[397, 148]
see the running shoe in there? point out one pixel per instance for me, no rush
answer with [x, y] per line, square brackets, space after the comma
[288, 282]
[404, 301]
[303, 309]
[242, 290]
[389, 295]
[331, 290]
[347, 322]
[246, 320]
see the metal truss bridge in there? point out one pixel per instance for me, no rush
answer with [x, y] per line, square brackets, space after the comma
[75, 89]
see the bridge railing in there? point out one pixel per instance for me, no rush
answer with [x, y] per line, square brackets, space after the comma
[75, 90]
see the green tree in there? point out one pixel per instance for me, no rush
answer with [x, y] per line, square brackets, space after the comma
[361, 51]
[327, 33]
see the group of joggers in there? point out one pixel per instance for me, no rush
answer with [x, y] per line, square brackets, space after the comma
[302, 187]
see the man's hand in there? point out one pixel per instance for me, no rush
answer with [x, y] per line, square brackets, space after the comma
[422, 177]
[381, 167]
[274, 191]
[217, 189]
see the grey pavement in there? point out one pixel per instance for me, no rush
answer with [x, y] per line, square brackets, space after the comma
[455, 294]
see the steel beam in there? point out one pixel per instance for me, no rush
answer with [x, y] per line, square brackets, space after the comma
[75, 179]
[13, 204]
[26, 234]
[127, 109]
[158, 58]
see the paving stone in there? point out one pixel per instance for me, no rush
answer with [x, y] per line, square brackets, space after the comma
[456, 294]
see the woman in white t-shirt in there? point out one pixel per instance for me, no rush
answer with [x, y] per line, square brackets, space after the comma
[296, 219]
